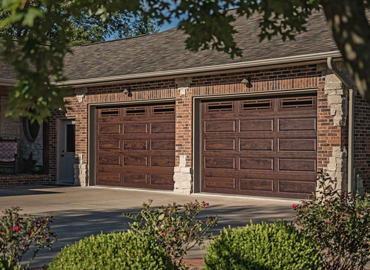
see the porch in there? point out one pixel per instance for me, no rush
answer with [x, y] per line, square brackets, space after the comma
[23, 157]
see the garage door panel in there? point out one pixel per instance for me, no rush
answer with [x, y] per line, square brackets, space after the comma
[219, 126]
[256, 144]
[297, 124]
[275, 138]
[135, 178]
[109, 160]
[256, 125]
[142, 154]
[135, 161]
[166, 127]
[109, 177]
[297, 145]
[265, 164]
[163, 161]
[135, 145]
[297, 186]
[161, 180]
[112, 129]
[219, 163]
[162, 145]
[256, 184]
[135, 128]
[293, 165]
[220, 183]
[227, 144]
[112, 144]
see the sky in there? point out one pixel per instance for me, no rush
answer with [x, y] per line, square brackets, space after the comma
[168, 26]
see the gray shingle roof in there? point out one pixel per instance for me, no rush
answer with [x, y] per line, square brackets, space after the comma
[166, 51]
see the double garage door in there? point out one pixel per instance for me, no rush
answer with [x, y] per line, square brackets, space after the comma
[260, 146]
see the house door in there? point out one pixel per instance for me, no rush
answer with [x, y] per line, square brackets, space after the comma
[66, 152]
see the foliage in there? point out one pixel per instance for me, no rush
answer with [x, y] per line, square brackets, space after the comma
[174, 227]
[7, 265]
[37, 56]
[18, 234]
[338, 222]
[262, 247]
[45, 32]
[87, 28]
[112, 251]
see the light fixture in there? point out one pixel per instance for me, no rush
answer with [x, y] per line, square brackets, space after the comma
[247, 82]
[127, 92]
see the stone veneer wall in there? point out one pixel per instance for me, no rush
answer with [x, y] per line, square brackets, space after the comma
[13, 128]
[331, 153]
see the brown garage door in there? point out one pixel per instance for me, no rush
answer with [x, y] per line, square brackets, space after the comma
[263, 146]
[136, 146]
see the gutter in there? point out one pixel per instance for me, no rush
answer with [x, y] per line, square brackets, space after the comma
[288, 61]
[351, 119]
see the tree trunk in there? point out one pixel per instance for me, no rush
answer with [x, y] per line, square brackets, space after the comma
[351, 32]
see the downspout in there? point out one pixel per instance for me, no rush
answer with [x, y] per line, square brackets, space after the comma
[351, 118]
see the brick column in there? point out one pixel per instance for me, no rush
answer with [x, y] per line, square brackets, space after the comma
[183, 170]
[332, 118]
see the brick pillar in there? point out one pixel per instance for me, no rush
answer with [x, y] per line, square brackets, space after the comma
[79, 112]
[332, 118]
[183, 171]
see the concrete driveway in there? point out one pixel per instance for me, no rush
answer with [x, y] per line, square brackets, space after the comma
[80, 212]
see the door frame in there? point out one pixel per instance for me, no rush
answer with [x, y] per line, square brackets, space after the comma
[197, 123]
[59, 141]
[91, 127]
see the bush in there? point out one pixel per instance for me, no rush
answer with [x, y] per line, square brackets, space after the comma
[262, 247]
[19, 233]
[7, 265]
[112, 251]
[338, 223]
[174, 227]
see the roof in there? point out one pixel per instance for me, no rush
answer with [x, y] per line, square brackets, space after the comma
[166, 51]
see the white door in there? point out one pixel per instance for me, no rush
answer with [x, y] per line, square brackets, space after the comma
[66, 152]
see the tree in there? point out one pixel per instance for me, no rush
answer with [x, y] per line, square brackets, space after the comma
[207, 23]
[89, 28]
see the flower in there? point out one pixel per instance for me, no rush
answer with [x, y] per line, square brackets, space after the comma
[206, 204]
[16, 228]
[191, 202]
[294, 206]
[163, 233]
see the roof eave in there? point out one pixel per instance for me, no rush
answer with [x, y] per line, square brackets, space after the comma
[250, 65]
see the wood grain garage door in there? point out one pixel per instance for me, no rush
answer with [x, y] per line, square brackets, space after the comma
[136, 146]
[263, 146]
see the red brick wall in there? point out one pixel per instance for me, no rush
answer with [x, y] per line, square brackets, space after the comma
[23, 180]
[281, 79]
[362, 140]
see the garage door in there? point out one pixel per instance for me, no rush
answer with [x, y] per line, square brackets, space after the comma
[264, 146]
[136, 146]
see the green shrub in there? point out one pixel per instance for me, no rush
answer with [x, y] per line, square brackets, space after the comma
[338, 222]
[20, 234]
[174, 227]
[7, 265]
[112, 251]
[262, 247]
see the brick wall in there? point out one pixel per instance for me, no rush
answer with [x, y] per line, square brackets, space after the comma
[362, 140]
[279, 79]
[24, 180]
